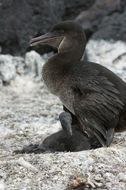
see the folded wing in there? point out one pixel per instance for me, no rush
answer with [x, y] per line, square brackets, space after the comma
[98, 107]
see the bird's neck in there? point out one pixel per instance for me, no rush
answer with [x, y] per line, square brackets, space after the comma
[56, 69]
[71, 48]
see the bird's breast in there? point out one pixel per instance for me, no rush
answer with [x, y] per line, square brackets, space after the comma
[51, 79]
[59, 84]
[67, 97]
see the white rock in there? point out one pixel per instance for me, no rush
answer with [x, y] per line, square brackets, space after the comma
[34, 62]
[1, 83]
[27, 165]
[20, 65]
[2, 185]
[111, 54]
[122, 177]
[7, 68]
[10, 66]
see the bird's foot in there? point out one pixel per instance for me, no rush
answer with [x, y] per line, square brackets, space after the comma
[32, 148]
[66, 123]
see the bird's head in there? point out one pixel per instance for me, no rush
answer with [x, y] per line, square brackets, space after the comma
[65, 36]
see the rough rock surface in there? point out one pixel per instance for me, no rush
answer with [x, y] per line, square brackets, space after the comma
[93, 16]
[11, 66]
[73, 8]
[33, 63]
[105, 19]
[112, 27]
[108, 53]
[7, 68]
[21, 20]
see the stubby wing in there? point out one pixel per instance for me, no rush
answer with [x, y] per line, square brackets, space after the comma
[98, 107]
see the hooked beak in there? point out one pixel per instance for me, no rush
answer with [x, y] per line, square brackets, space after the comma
[49, 38]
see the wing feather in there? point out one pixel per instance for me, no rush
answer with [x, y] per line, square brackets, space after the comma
[98, 107]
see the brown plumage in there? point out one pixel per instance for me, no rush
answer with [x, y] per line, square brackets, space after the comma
[94, 97]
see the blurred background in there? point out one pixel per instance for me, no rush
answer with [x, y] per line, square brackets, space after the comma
[104, 22]
[21, 20]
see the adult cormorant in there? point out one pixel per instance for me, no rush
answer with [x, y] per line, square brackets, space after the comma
[93, 97]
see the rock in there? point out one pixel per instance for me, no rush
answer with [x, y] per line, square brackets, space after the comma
[91, 18]
[120, 61]
[111, 54]
[19, 25]
[33, 64]
[20, 65]
[73, 8]
[112, 27]
[2, 186]
[7, 68]
[33, 18]
[10, 66]
[1, 83]
[22, 20]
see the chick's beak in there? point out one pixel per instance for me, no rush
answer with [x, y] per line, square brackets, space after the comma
[49, 38]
